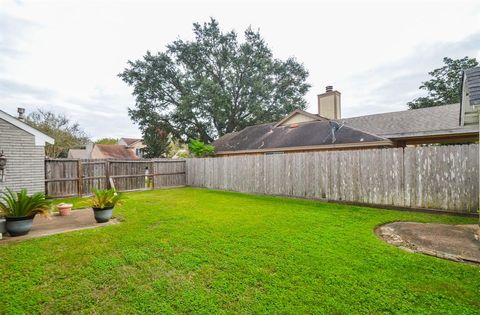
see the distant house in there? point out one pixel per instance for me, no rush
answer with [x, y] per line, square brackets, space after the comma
[136, 145]
[78, 154]
[112, 151]
[81, 153]
[23, 147]
[301, 131]
[103, 151]
[298, 132]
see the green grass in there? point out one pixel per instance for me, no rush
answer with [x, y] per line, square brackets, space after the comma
[201, 251]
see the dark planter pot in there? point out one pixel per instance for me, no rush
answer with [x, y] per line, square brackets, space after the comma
[3, 228]
[17, 226]
[102, 215]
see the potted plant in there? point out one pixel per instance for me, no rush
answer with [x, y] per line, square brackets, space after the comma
[64, 208]
[20, 209]
[103, 202]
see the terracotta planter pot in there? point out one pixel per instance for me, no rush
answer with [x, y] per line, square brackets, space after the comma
[64, 208]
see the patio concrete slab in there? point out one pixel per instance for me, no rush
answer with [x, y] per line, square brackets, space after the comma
[77, 220]
[448, 241]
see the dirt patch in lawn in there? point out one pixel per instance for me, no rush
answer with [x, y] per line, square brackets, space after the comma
[454, 242]
[77, 220]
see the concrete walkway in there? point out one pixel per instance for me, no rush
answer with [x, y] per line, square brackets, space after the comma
[77, 220]
[454, 242]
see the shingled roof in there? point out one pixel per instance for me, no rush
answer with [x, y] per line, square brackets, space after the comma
[130, 141]
[426, 120]
[472, 77]
[268, 137]
[112, 151]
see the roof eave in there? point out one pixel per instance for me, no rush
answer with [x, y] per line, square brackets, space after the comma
[432, 133]
[381, 143]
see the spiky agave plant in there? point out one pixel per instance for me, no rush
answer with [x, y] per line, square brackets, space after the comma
[104, 198]
[20, 204]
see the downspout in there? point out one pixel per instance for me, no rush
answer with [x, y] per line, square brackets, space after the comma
[462, 83]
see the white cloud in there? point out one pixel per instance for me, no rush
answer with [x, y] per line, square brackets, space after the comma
[66, 55]
[388, 87]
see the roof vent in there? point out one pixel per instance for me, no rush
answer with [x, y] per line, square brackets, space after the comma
[329, 88]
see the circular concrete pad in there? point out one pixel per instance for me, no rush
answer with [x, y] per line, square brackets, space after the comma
[454, 242]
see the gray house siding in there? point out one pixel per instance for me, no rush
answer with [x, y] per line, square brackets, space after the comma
[25, 160]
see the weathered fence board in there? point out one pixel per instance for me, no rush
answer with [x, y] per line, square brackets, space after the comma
[62, 178]
[72, 177]
[435, 177]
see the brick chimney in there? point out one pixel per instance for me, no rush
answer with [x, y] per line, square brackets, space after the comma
[329, 104]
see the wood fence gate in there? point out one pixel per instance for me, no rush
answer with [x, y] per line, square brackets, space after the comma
[74, 177]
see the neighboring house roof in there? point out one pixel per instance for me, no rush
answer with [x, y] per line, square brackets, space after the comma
[78, 154]
[446, 123]
[40, 137]
[112, 151]
[302, 136]
[472, 77]
[423, 121]
[130, 141]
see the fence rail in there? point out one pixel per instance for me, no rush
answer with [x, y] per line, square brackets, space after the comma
[72, 177]
[435, 177]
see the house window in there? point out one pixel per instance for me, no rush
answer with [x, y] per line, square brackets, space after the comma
[139, 152]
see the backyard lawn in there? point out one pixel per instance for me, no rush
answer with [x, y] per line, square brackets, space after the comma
[192, 250]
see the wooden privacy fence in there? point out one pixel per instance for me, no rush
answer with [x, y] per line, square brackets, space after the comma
[73, 177]
[435, 177]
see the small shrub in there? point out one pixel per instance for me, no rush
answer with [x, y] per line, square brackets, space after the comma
[200, 149]
[104, 198]
[21, 204]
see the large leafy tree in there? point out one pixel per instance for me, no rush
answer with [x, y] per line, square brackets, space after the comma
[67, 134]
[445, 86]
[213, 85]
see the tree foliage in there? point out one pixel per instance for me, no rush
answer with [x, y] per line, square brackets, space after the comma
[157, 141]
[213, 85]
[67, 134]
[177, 149]
[445, 86]
[199, 149]
[107, 141]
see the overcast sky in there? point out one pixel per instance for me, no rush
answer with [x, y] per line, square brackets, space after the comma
[65, 55]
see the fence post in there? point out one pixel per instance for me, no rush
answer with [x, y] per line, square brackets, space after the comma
[107, 174]
[152, 168]
[46, 177]
[80, 178]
